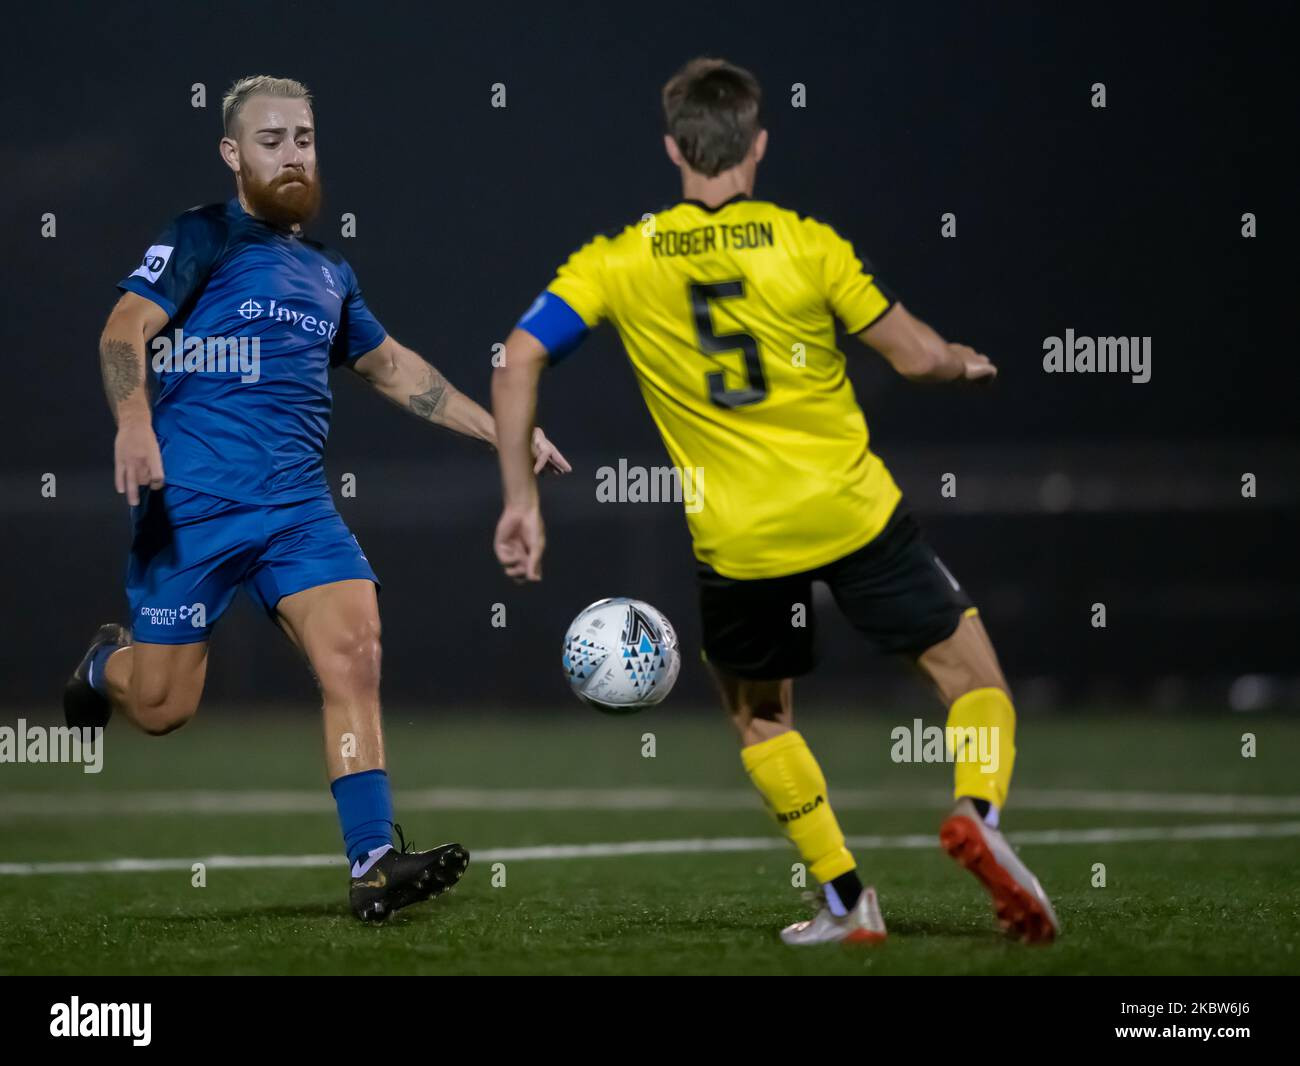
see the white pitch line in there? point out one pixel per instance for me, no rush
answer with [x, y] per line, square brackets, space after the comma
[200, 801]
[711, 845]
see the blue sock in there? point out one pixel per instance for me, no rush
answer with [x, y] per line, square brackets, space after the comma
[98, 662]
[365, 812]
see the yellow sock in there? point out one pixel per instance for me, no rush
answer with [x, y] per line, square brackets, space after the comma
[982, 730]
[790, 781]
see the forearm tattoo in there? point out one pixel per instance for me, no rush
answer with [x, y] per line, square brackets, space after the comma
[120, 364]
[429, 404]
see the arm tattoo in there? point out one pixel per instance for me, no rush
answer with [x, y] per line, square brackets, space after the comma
[429, 404]
[121, 368]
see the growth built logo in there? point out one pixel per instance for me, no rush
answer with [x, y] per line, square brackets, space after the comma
[195, 614]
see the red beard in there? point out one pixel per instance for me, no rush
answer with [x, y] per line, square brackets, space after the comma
[287, 200]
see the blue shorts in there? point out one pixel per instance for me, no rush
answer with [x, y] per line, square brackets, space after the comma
[190, 551]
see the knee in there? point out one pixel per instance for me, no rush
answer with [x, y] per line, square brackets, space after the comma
[163, 710]
[351, 659]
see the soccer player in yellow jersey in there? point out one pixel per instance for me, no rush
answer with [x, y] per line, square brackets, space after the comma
[727, 307]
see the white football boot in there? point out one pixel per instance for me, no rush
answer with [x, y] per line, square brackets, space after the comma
[1022, 907]
[862, 925]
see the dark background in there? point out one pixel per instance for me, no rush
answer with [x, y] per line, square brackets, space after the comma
[1072, 489]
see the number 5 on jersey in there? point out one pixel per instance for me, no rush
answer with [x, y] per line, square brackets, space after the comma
[715, 344]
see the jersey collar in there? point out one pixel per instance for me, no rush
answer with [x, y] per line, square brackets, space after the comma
[713, 210]
[238, 209]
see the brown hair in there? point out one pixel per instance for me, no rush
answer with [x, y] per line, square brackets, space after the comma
[711, 109]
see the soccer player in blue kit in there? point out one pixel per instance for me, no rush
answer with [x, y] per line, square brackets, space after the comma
[224, 470]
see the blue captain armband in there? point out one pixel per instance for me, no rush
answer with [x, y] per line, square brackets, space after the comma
[553, 322]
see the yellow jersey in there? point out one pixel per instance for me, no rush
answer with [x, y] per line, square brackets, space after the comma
[728, 316]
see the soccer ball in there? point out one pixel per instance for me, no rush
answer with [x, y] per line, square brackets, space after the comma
[621, 655]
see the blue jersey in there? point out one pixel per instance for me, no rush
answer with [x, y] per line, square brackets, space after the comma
[258, 317]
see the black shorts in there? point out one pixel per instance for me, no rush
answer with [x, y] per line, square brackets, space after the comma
[894, 590]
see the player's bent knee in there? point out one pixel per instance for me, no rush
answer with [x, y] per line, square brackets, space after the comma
[162, 704]
[165, 712]
[351, 664]
[166, 686]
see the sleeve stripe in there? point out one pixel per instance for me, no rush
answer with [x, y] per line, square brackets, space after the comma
[143, 288]
[889, 299]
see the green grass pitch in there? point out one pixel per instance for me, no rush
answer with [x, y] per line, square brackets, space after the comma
[1198, 904]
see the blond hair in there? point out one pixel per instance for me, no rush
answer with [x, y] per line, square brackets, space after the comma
[258, 85]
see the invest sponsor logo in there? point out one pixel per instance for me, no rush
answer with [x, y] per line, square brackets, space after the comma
[252, 309]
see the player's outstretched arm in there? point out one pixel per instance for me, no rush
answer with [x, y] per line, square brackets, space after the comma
[133, 322]
[402, 376]
[520, 535]
[920, 354]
